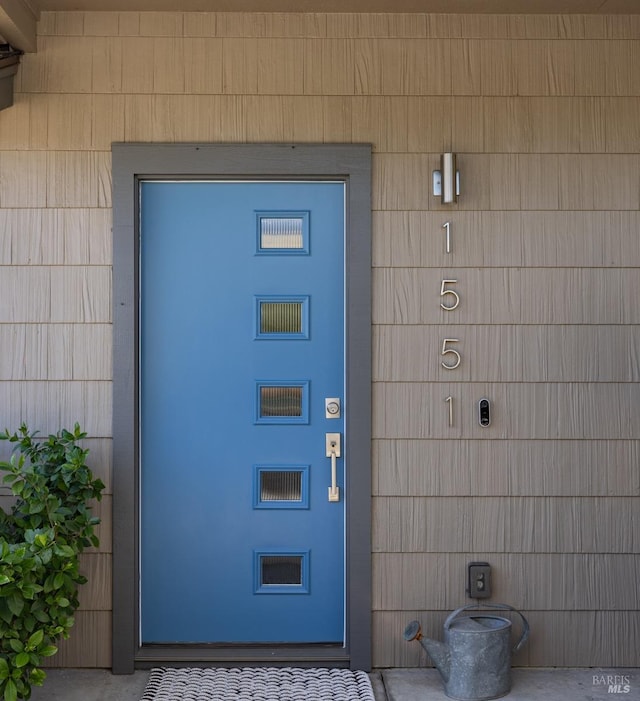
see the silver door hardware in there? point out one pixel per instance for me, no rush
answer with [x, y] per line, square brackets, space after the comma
[332, 445]
[332, 408]
[484, 412]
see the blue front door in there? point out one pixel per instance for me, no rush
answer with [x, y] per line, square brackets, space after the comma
[242, 385]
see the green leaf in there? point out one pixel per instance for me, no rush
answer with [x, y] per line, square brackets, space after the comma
[4, 669]
[35, 639]
[5, 614]
[4, 579]
[16, 645]
[41, 616]
[29, 624]
[10, 691]
[45, 556]
[15, 604]
[21, 659]
[29, 590]
[48, 650]
[36, 507]
[37, 677]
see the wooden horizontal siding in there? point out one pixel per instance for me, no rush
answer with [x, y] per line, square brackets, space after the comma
[601, 640]
[68, 236]
[505, 524]
[346, 25]
[510, 352]
[542, 111]
[508, 295]
[529, 467]
[559, 411]
[537, 582]
[55, 179]
[392, 124]
[507, 181]
[89, 644]
[51, 405]
[343, 65]
[55, 294]
[520, 239]
[96, 595]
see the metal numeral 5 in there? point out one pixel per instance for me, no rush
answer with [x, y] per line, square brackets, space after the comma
[450, 351]
[444, 291]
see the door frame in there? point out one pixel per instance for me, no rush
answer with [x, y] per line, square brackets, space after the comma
[350, 163]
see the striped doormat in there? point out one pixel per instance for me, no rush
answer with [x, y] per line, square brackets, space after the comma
[257, 684]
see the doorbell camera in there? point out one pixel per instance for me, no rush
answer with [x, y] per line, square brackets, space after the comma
[484, 412]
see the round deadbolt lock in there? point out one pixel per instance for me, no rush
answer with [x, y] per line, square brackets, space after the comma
[333, 407]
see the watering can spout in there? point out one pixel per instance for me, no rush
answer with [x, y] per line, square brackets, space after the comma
[439, 653]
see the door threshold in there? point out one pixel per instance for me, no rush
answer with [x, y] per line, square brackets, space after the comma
[322, 655]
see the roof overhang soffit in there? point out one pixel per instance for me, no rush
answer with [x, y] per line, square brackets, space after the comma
[9, 60]
[18, 20]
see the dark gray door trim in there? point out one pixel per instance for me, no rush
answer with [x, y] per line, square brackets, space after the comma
[132, 162]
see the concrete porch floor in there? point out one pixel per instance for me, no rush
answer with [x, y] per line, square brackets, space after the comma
[388, 684]
[526, 685]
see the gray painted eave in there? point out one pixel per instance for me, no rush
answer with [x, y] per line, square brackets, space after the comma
[18, 23]
[8, 69]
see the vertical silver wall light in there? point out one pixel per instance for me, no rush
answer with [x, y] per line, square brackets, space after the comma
[446, 181]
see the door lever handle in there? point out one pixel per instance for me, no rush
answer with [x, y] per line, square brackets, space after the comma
[332, 449]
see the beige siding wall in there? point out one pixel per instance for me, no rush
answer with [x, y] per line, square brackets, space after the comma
[543, 112]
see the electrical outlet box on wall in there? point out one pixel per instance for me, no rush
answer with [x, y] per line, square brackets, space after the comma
[479, 580]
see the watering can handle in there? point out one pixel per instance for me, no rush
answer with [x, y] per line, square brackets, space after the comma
[505, 607]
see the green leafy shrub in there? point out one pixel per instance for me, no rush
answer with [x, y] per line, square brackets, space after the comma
[41, 540]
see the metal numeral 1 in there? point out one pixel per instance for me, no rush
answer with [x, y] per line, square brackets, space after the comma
[449, 401]
[447, 227]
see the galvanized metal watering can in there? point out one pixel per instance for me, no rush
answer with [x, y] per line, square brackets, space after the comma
[475, 658]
